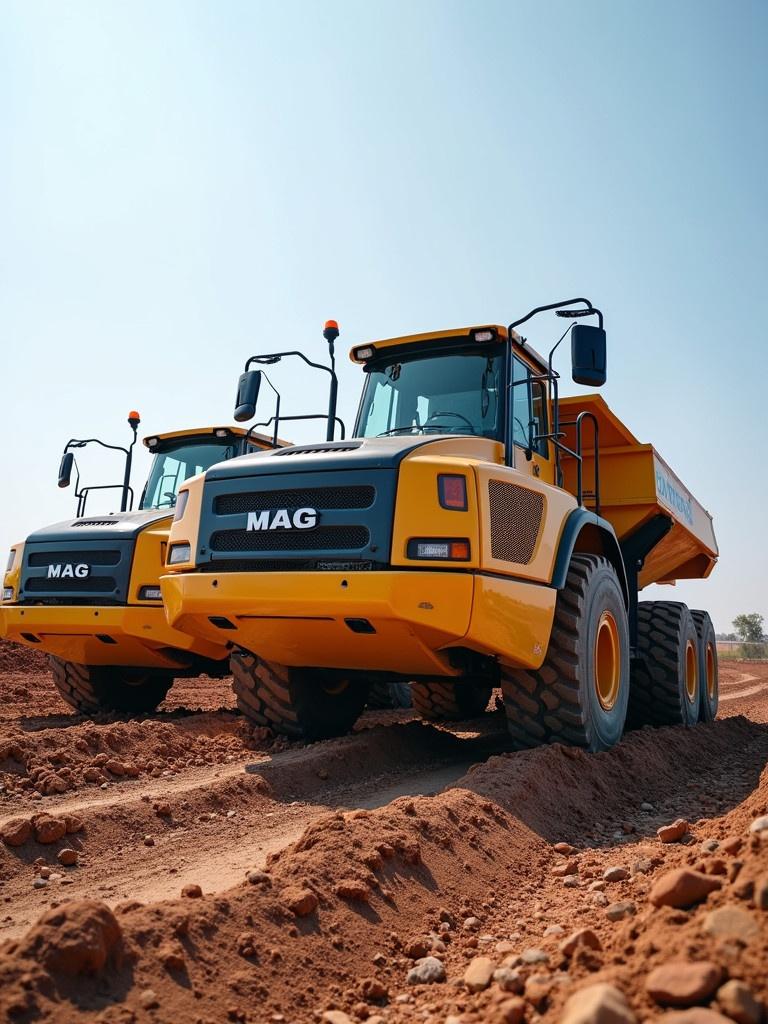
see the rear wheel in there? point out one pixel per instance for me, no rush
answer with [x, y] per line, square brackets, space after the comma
[93, 688]
[302, 703]
[450, 700]
[579, 695]
[709, 686]
[665, 686]
[387, 696]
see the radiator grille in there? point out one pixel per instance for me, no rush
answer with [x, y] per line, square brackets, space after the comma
[308, 497]
[322, 538]
[43, 558]
[516, 514]
[90, 585]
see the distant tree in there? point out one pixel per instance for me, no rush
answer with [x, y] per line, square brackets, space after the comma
[749, 627]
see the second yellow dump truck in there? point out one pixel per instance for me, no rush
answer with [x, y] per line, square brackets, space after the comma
[86, 591]
[476, 531]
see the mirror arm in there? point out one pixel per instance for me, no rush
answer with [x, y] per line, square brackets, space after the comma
[275, 357]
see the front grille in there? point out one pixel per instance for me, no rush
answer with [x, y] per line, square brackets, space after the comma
[516, 514]
[43, 558]
[291, 565]
[91, 585]
[308, 497]
[322, 538]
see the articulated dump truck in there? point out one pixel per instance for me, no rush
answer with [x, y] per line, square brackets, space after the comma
[87, 591]
[476, 531]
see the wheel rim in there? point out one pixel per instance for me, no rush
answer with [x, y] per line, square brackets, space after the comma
[711, 680]
[690, 671]
[607, 661]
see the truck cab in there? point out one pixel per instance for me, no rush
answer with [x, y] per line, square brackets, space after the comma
[86, 591]
[446, 543]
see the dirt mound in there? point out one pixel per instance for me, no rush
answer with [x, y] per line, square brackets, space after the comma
[56, 761]
[17, 658]
[482, 884]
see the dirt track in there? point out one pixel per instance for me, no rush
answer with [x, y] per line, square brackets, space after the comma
[389, 840]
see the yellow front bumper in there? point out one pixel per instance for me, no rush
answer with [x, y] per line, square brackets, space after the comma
[110, 635]
[408, 619]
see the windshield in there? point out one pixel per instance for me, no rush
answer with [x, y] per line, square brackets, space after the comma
[170, 468]
[456, 393]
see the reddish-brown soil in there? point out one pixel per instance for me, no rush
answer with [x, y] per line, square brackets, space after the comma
[366, 853]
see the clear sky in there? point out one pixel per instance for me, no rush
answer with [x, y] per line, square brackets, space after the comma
[184, 183]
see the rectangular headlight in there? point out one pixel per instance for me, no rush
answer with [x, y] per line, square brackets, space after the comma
[7, 593]
[150, 592]
[439, 549]
[179, 553]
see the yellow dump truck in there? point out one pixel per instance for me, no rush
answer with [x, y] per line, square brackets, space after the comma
[476, 531]
[86, 591]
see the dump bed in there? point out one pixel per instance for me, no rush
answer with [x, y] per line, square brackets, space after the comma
[636, 484]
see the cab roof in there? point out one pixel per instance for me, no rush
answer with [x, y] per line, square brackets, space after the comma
[257, 440]
[502, 333]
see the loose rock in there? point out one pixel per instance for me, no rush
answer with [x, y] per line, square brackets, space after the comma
[352, 889]
[731, 923]
[49, 829]
[739, 1003]
[428, 971]
[16, 832]
[615, 874]
[478, 974]
[682, 983]
[68, 857]
[597, 1004]
[582, 937]
[192, 891]
[299, 901]
[682, 888]
[617, 911]
[674, 832]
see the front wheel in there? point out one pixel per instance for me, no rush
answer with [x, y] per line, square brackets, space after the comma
[579, 695]
[90, 689]
[301, 703]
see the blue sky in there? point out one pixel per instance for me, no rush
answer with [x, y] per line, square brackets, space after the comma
[183, 184]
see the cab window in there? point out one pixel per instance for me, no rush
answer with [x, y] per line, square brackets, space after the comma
[172, 467]
[529, 408]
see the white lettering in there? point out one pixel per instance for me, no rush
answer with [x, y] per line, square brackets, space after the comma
[281, 520]
[54, 571]
[305, 518]
[67, 571]
[81, 571]
[258, 520]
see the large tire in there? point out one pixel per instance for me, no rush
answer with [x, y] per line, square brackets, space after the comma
[665, 673]
[90, 689]
[709, 687]
[302, 703]
[450, 701]
[579, 695]
[388, 696]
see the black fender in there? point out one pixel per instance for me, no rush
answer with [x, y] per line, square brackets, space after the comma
[578, 519]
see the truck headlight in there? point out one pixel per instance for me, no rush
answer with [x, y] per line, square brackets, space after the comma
[7, 593]
[150, 592]
[439, 549]
[179, 553]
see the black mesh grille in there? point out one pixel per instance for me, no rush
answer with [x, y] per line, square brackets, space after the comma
[38, 558]
[309, 497]
[91, 585]
[515, 521]
[323, 538]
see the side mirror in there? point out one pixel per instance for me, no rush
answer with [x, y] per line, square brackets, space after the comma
[588, 355]
[65, 469]
[247, 393]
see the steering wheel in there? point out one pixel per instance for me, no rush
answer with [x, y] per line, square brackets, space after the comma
[456, 415]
